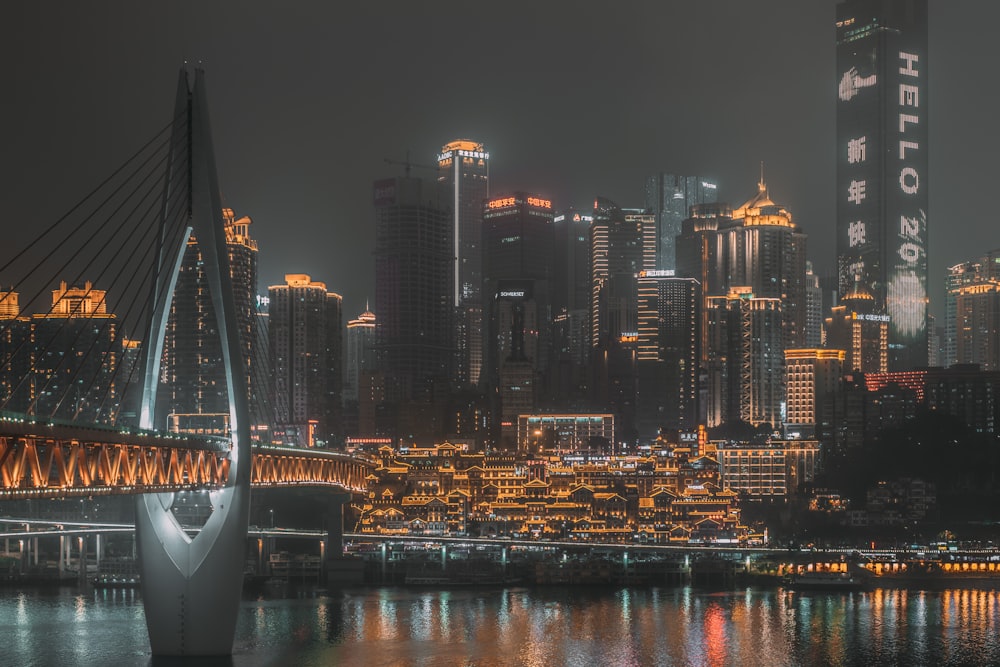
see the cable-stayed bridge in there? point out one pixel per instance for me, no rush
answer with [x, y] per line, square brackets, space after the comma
[132, 311]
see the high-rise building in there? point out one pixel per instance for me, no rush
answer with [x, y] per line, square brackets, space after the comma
[746, 359]
[304, 321]
[74, 357]
[359, 355]
[192, 352]
[858, 328]
[414, 332]
[617, 252]
[765, 250]
[977, 316]
[814, 309]
[566, 385]
[983, 271]
[669, 199]
[15, 354]
[811, 375]
[518, 249]
[464, 171]
[882, 168]
[756, 245]
[668, 353]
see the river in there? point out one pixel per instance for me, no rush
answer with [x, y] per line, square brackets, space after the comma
[531, 626]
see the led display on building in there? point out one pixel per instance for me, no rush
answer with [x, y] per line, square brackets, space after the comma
[882, 164]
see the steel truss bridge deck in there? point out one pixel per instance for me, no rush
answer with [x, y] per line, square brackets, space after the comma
[56, 460]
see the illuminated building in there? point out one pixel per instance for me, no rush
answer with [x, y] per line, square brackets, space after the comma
[566, 385]
[977, 318]
[765, 250]
[414, 332]
[518, 248]
[15, 355]
[359, 366]
[192, 352]
[668, 353]
[811, 376]
[304, 321]
[972, 282]
[756, 245]
[814, 308]
[670, 198]
[74, 357]
[882, 168]
[746, 370]
[861, 331]
[464, 170]
[753, 470]
[565, 432]
[964, 391]
[360, 352]
[619, 251]
[774, 470]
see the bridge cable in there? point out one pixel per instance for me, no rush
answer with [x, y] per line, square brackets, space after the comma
[11, 323]
[78, 253]
[94, 312]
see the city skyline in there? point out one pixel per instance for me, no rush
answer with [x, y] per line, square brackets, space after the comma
[303, 130]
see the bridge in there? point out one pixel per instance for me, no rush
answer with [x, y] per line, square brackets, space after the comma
[82, 383]
[49, 459]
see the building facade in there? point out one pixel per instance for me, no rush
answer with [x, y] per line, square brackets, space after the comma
[668, 353]
[464, 173]
[414, 299]
[882, 167]
[305, 353]
[669, 199]
[192, 352]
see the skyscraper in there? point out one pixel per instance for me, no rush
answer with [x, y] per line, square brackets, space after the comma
[669, 198]
[618, 251]
[360, 352]
[766, 250]
[746, 359]
[882, 168]
[960, 280]
[464, 170]
[668, 353]
[304, 322]
[74, 356]
[192, 352]
[518, 248]
[414, 332]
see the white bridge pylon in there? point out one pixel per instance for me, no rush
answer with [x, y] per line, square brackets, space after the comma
[191, 585]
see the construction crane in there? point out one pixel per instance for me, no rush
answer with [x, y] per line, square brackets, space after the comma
[407, 164]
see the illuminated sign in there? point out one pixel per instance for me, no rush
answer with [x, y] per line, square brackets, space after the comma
[630, 337]
[872, 318]
[503, 202]
[856, 233]
[657, 273]
[540, 203]
[511, 294]
[476, 154]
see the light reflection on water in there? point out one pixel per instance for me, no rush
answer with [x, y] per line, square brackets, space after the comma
[539, 626]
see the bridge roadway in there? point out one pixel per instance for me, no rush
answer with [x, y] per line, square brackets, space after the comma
[53, 459]
[59, 527]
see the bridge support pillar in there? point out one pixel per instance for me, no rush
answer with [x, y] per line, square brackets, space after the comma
[339, 569]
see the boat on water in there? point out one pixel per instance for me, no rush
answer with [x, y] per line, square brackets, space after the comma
[830, 581]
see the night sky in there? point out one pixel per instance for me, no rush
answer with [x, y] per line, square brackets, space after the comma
[572, 100]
